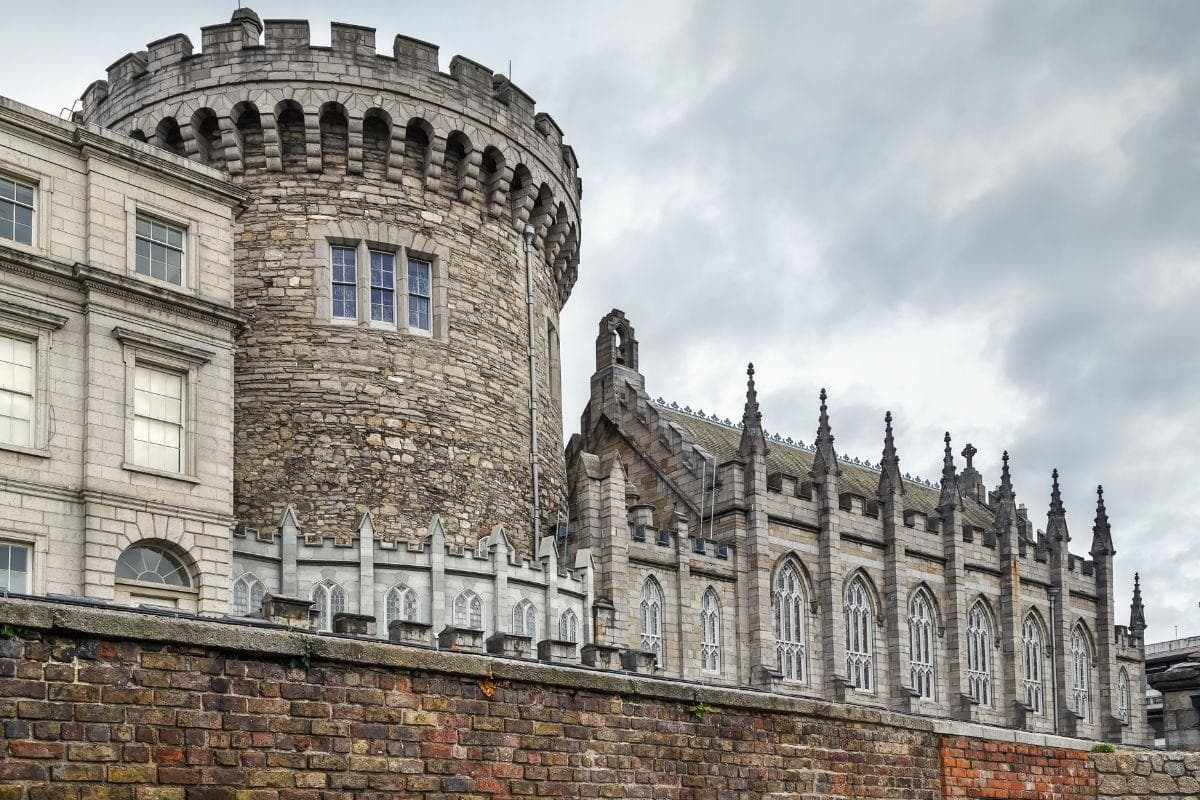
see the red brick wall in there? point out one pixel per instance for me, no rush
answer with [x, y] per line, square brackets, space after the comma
[975, 768]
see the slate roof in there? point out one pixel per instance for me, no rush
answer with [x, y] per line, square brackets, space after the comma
[722, 440]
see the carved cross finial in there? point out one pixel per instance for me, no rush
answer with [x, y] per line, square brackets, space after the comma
[969, 454]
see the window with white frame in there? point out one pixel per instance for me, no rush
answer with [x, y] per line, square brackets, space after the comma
[789, 605]
[1123, 696]
[160, 249]
[650, 619]
[920, 645]
[468, 610]
[330, 599]
[344, 269]
[158, 418]
[420, 295]
[710, 632]
[15, 567]
[248, 594]
[18, 367]
[568, 627]
[860, 636]
[979, 655]
[1032, 649]
[17, 206]
[1081, 678]
[400, 604]
[524, 619]
[383, 287]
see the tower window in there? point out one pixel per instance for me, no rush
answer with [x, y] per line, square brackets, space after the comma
[344, 261]
[383, 287]
[420, 295]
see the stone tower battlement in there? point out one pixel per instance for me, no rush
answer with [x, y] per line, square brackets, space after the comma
[380, 264]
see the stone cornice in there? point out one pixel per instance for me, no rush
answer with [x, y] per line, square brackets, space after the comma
[102, 280]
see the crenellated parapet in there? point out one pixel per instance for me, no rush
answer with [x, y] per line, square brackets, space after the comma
[260, 96]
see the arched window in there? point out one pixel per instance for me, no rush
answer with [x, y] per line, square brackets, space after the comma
[1123, 696]
[330, 598]
[1032, 651]
[468, 610]
[979, 655]
[860, 636]
[710, 632]
[152, 563]
[400, 604]
[788, 606]
[568, 627]
[920, 645]
[651, 619]
[524, 620]
[248, 593]
[1081, 678]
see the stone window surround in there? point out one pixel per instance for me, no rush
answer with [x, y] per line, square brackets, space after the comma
[38, 326]
[154, 351]
[190, 280]
[404, 245]
[43, 197]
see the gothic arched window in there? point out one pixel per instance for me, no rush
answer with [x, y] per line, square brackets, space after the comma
[788, 606]
[979, 655]
[710, 632]
[524, 619]
[651, 619]
[920, 645]
[248, 594]
[330, 598]
[1123, 696]
[468, 610]
[400, 604]
[1032, 650]
[568, 627]
[1081, 677]
[860, 636]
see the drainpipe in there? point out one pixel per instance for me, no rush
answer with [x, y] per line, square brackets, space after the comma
[533, 428]
[1053, 659]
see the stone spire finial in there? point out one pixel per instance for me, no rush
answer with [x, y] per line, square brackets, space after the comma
[1006, 489]
[949, 497]
[753, 439]
[889, 464]
[826, 460]
[1102, 543]
[1056, 525]
[1137, 613]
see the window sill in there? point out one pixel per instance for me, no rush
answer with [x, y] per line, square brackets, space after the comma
[159, 473]
[39, 452]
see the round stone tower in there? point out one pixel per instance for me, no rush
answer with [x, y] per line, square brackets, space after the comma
[380, 266]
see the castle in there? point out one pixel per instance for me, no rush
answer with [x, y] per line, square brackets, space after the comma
[279, 339]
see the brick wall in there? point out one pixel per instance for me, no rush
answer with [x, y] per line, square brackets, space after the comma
[116, 705]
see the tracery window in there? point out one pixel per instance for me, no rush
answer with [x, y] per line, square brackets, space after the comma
[1081, 668]
[568, 627]
[1123, 696]
[524, 619]
[860, 636]
[1032, 655]
[710, 632]
[248, 593]
[979, 655]
[920, 645]
[788, 605]
[330, 598]
[468, 610]
[400, 604]
[651, 619]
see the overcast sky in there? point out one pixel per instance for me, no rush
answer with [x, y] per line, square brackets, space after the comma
[984, 217]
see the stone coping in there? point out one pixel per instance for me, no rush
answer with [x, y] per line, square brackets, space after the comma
[276, 642]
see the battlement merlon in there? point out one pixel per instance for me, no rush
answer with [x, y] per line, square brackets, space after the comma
[280, 51]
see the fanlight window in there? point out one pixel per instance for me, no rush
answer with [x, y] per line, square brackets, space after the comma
[651, 619]
[860, 633]
[920, 643]
[401, 604]
[568, 627]
[330, 599]
[152, 563]
[979, 655]
[1081, 668]
[1123, 696]
[789, 604]
[1032, 654]
[468, 610]
[248, 593]
[710, 632]
[524, 619]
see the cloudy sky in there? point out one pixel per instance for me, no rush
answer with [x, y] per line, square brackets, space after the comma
[982, 216]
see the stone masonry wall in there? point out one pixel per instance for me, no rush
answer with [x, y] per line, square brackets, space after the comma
[1143, 775]
[117, 705]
